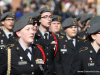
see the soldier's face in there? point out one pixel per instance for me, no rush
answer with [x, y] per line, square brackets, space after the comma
[26, 34]
[55, 26]
[71, 31]
[96, 38]
[46, 19]
[8, 23]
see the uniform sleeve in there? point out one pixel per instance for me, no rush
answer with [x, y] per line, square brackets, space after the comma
[58, 63]
[3, 62]
[76, 64]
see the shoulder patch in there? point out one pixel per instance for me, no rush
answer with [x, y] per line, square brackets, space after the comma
[61, 37]
[38, 45]
[81, 31]
[80, 37]
[85, 40]
[83, 49]
[62, 33]
[9, 46]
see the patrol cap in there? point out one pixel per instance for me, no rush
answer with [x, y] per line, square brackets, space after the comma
[94, 20]
[34, 15]
[7, 14]
[85, 18]
[57, 18]
[22, 23]
[69, 22]
[42, 10]
[94, 28]
[1, 24]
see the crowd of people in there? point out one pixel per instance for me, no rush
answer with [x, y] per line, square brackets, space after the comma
[33, 43]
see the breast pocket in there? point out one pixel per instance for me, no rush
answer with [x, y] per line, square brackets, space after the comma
[66, 56]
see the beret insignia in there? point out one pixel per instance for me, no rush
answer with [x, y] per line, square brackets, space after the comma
[31, 19]
[13, 14]
[59, 18]
[74, 22]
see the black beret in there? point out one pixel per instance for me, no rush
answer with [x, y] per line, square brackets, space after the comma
[94, 28]
[56, 18]
[42, 10]
[80, 16]
[22, 23]
[69, 22]
[34, 15]
[85, 18]
[94, 20]
[7, 14]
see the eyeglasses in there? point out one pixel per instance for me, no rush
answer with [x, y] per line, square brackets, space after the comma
[47, 17]
[10, 19]
[97, 33]
[38, 23]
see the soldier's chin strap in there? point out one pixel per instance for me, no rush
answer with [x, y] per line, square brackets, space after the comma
[56, 43]
[9, 62]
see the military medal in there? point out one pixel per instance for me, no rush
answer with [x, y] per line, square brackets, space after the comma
[90, 59]
[64, 46]
[39, 61]
[90, 64]
[21, 58]
[1, 41]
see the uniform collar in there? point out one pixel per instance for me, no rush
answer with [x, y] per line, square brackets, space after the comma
[94, 48]
[7, 33]
[74, 40]
[24, 48]
[44, 33]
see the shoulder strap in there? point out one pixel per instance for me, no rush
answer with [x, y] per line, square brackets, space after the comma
[55, 43]
[44, 58]
[9, 62]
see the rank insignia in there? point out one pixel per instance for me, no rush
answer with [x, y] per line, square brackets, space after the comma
[17, 48]
[65, 40]
[3, 35]
[38, 34]
[91, 51]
